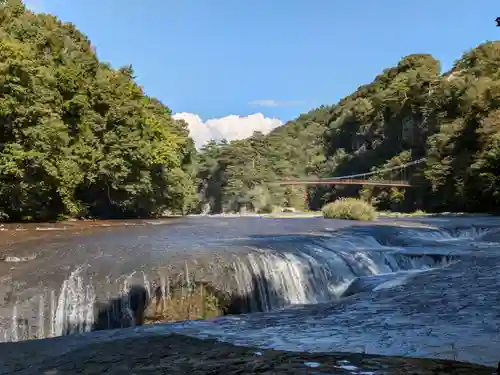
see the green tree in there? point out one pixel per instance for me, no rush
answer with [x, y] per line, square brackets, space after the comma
[78, 137]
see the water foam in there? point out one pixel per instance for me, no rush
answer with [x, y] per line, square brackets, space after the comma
[440, 235]
[317, 271]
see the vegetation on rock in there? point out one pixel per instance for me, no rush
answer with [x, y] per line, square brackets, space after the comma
[349, 209]
[78, 137]
[188, 302]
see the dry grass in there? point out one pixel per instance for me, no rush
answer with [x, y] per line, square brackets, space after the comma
[186, 303]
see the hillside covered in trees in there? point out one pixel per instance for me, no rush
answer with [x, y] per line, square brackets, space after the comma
[77, 137]
[408, 112]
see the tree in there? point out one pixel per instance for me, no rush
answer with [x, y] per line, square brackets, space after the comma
[78, 137]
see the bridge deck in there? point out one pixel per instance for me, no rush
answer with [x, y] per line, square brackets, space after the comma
[344, 182]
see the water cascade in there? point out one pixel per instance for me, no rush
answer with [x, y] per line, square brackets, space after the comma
[269, 274]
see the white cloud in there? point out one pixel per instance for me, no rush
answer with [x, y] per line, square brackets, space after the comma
[230, 127]
[275, 103]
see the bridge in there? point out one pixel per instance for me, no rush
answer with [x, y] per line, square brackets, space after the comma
[360, 178]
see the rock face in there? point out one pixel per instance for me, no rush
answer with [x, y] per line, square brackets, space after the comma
[175, 354]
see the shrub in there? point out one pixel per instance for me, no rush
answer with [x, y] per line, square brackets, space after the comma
[268, 209]
[419, 213]
[349, 209]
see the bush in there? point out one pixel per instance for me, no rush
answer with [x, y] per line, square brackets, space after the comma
[349, 209]
[268, 209]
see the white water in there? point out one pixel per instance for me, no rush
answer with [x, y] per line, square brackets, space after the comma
[75, 306]
[315, 275]
[302, 271]
[472, 233]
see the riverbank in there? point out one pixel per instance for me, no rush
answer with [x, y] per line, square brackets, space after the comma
[177, 354]
[6, 226]
[314, 214]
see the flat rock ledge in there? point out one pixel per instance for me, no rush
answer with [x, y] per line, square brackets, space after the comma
[177, 354]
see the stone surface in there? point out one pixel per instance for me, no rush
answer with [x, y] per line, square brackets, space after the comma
[176, 354]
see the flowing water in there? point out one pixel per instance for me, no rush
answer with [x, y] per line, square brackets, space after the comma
[421, 287]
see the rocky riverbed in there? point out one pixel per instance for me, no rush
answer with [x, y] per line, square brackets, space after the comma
[176, 354]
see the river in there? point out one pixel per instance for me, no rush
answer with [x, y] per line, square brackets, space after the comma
[421, 287]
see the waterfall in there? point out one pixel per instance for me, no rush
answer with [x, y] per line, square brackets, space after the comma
[76, 309]
[75, 306]
[272, 274]
[273, 280]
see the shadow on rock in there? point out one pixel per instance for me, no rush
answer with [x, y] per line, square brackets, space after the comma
[198, 300]
[124, 311]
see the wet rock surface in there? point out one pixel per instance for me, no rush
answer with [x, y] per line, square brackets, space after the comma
[448, 308]
[177, 354]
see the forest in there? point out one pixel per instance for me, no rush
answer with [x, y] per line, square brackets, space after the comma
[410, 111]
[79, 138]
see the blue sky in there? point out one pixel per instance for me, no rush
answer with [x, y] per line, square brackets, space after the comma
[213, 58]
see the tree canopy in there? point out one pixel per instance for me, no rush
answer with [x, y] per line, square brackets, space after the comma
[78, 137]
[408, 112]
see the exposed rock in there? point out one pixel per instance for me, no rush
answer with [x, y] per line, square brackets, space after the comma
[13, 259]
[175, 354]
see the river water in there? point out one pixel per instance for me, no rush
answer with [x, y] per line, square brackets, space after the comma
[425, 287]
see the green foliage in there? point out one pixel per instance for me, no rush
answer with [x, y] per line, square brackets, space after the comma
[240, 175]
[77, 137]
[408, 112]
[349, 209]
